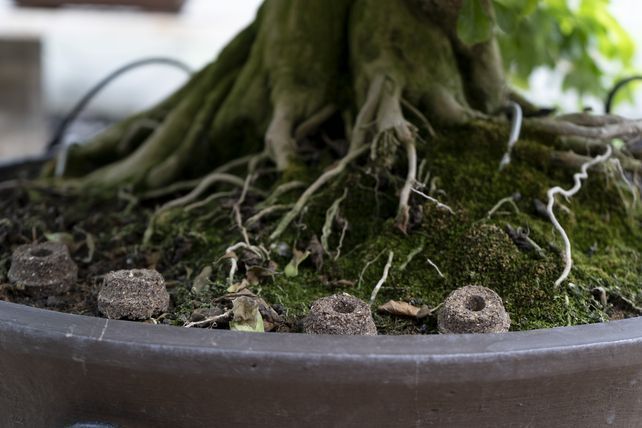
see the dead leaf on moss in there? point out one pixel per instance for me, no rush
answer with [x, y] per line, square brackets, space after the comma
[246, 315]
[403, 309]
[202, 281]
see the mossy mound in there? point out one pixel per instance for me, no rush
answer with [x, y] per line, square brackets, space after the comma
[467, 246]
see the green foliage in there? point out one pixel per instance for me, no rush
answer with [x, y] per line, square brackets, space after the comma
[579, 39]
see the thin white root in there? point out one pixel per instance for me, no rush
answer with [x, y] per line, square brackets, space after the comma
[516, 127]
[320, 182]
[618, 167]
[411, 255]
[577, 178]
[344, 229]
[238, 218]
[230, 254]
[280, 190]
[433, 200]
[206, 201]
[330, 216]
[357, 148]
[267, 211]
[191, 184]
[368, 264]
[383, 279]
[431, 263]
[200, 189]
[210, 320]
[507, 200]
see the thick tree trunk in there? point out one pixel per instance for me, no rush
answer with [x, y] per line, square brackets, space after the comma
[299, 62]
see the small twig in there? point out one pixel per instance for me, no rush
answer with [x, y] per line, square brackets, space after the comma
[209, 320]
[577, 178]
[383, 279]
[433, 200]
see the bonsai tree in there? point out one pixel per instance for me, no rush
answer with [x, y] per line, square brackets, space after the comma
[339, 131]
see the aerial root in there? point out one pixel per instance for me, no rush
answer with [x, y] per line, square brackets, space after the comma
[551, 193]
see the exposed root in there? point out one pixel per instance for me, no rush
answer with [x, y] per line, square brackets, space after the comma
[433, 200]
[582, 175]
[411, 256]
[383, 279]
[191, 184]
[210, 321]
[279, 141]
[267, 211]
[238, 218]
[200, 189]
[625, 130]
[367, 265]
[516, 127]
[208, 200]
[431, 263]
[357, 148]
[280, 190]
[312, 124]
[507, 200]
[330, 216]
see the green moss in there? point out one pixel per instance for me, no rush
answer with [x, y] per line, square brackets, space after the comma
[467, 247]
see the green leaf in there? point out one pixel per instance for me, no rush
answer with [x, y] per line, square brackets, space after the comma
[474, 24]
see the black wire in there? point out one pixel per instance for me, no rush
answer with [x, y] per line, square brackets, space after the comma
[619, 85]
[82, 103]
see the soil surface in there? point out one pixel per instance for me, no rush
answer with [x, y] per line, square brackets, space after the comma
[441, 251]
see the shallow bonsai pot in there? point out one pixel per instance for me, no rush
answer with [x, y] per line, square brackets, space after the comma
[59, 369]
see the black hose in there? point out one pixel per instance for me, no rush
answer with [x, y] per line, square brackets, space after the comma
[82, 103]
[619, 85]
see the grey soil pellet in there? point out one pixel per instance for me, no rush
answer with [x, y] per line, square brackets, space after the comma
[340, 314]
[473, 309]
[136, 294]
[43, 269]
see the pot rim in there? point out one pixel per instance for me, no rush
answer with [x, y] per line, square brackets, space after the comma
[505, 355]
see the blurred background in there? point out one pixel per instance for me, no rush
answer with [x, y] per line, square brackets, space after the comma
[51, 56]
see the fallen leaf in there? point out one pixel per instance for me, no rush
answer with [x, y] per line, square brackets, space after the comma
[394, 307]
[202, 281]
[247, 316]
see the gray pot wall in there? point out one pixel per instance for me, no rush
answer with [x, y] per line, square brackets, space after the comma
[59, 369]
